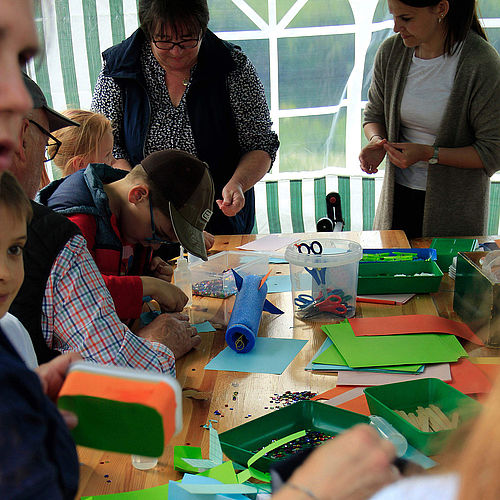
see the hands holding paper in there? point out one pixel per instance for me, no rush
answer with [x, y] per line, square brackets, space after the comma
[353, 466]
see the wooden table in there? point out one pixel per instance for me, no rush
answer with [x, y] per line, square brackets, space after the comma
[103, 472]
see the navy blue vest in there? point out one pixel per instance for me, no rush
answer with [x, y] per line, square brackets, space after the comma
[209, 111]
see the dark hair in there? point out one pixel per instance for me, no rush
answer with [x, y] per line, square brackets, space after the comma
[179, 14]
[461, 18]
[13, 197]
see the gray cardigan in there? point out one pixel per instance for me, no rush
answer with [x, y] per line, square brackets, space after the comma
[457, 199]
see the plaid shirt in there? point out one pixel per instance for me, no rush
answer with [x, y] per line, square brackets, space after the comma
[78, 314]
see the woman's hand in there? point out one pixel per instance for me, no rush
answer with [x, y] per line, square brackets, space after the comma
[372, 155]
[353, 466]
[405, 154]
[233, 199]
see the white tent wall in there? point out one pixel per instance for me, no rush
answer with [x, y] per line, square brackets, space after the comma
[316, 105]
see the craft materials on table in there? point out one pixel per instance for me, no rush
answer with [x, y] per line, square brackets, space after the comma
[243, 326]
[397, 350]
[269, 243]
[331, 268]
[431, 419]
[269, 355]
[412, 323]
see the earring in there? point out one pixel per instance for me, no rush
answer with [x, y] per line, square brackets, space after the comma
[440, 19]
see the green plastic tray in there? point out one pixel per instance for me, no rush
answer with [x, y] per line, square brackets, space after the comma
[447, 248]
[378, 277]
[384, 399]
[242, 442]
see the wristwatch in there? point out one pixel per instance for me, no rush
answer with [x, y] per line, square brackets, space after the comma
[435, 157]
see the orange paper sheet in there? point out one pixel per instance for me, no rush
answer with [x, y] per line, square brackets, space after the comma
[357, 404]
[412, 323]
[468, 378]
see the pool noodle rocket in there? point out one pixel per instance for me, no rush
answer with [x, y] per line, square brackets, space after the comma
[245, 318]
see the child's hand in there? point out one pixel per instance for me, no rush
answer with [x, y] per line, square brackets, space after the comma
[161, 269]
[170, 297]
[209, 240]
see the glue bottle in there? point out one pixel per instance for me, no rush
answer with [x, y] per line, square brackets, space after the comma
[387, 431]
[144, 463]
[182, 277]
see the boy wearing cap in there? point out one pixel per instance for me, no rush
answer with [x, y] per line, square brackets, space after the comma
[168, 197]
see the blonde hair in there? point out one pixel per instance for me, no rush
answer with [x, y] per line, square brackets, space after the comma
[79, 141]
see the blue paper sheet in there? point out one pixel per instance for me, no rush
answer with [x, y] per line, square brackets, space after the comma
[269, 355]
[204, 327]
[176, 492]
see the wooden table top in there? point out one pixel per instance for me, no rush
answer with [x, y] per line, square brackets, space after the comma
[105, 472]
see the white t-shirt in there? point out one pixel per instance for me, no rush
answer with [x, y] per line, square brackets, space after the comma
[427, 90]
[438, 487]
[20, 339]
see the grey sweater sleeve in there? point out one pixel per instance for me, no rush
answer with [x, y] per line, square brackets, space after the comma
[484, 107]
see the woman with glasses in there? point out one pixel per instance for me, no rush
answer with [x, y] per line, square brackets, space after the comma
[174, 84]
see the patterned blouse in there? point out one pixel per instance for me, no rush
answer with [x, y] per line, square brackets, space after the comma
[170, 126]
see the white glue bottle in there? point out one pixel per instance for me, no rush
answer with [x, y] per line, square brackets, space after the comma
[182, 277]
[144, 463]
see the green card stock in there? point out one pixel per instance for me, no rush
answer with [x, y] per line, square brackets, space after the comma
[182, 452]
[395, 350]
[329, 357]
[155, 493]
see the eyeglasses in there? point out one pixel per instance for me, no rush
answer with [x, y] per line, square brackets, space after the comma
[154, 239]
[55, 144]
[188, 43]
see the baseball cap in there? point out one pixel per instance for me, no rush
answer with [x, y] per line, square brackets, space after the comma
[185, 183]
[56, 120]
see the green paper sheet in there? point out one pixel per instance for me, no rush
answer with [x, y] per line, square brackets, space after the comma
[223, 473]
[332, 356]
[393, 349]
[155, 493]
[181, 452]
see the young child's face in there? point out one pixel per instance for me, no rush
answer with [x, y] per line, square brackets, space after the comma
[12, 241]
[104, 153]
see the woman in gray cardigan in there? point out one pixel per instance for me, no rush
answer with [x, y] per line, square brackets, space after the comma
[434, 109]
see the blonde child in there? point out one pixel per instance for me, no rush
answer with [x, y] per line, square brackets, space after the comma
[15, 214]
[91, 142]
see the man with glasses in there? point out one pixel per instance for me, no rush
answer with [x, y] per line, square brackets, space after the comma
[64, 303]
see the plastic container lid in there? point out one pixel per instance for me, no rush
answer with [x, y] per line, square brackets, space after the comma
[335, 253]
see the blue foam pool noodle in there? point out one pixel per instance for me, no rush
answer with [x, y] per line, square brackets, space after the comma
[245, 318]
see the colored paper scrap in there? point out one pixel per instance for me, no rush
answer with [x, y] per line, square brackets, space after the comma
[269, 243]
[224, 473]
[392, 350]
[324, 365]
[214, 453]
[270, 355]
[266, 476]
[147, 317]
[412, 323]
[440, 371]
[204, 327]
[183, 452]
[211, 489]
[155, 493]
[393, 300]
[468, 378]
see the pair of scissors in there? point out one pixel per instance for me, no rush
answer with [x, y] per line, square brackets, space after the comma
[315, 247]
[303, 300]
[318, 273]
[332, 304]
